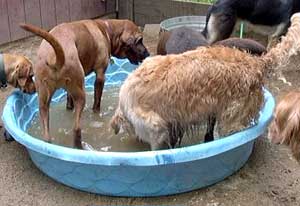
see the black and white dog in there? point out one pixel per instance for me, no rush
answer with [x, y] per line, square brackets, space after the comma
[271, 17]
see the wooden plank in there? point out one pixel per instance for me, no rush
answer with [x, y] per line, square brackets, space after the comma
[86, 9]
[48, 13]
[99, 7]
[62, 9]
[92, 8]
[110, 6]
[126, 9]
[4, 24]
[16, 15]
[32, 13]
[75, 10]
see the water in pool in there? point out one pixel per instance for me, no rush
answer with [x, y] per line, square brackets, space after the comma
[95, 127]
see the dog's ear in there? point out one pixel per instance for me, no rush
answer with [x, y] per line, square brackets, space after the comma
[22, 74]
[291, 133]
[129, 41]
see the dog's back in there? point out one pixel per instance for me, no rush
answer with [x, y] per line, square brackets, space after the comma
[248, 45]
[222, 16]
[180, 40]
[184, 39]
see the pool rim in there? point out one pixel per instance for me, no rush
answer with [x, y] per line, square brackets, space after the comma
[144, 158]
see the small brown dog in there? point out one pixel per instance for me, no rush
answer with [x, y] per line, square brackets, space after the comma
[17, 71]
[285, 127]
[76, 49]
[185, 89]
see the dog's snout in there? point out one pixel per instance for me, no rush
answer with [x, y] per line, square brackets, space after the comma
[146, 53]
[29, 89]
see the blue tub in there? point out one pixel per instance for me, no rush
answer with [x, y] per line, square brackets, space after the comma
[138, 174]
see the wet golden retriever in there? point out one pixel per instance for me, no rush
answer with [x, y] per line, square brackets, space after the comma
[184, 89]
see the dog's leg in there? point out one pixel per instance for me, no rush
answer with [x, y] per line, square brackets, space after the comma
[274, 38]
[78, 96]
[45, 95]
[176, 133]
[220, 26]
[272, 41]
[70, 103]
[98, 89]
[158, 139]
[211, 122]
[150, 128]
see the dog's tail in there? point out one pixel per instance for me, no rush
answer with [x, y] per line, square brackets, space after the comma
[59, 52]
[289, 45]
[161, 46]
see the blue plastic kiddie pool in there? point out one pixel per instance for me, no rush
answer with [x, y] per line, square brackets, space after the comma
[150, 173]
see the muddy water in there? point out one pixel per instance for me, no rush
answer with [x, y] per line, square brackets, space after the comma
[95, 127]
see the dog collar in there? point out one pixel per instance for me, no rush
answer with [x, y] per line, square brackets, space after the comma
[3, 81]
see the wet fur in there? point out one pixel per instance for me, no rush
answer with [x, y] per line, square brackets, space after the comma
[285, 126]
[185, 39]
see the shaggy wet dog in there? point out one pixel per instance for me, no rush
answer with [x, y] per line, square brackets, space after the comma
[271, 15]
[285, 127]
[184, 39]
[187, 88]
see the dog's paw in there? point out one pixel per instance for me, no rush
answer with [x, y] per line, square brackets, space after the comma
[283, 79]
[8, 137]
[86, 146]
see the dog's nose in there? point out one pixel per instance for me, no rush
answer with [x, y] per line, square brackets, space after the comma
[29, 90]
[146, 54]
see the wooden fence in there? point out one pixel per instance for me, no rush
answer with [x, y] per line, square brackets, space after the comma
[154, 11]
[46, 14]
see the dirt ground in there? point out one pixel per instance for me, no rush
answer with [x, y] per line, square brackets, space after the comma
[270, 177]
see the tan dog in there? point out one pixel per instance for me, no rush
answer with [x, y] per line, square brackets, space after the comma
[285, 127]
[184, 39]
[17, 71]
[76, 49]
[184, 89]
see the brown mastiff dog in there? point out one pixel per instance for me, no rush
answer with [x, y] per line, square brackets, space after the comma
[76, 49]
[17, 71]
